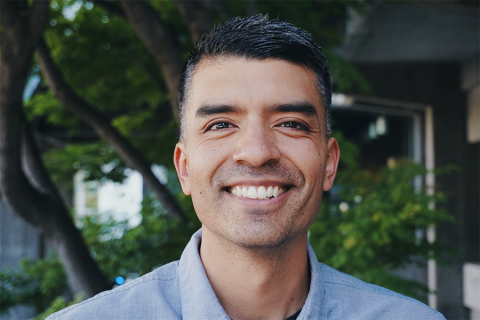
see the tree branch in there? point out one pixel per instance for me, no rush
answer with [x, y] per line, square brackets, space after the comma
[38, 18]
[161, 42]
[9, 13]
[14, 186]
[110, 7]
[32, 165]
[104, 129]
[16, 53]
[57, 226]
[197, 16]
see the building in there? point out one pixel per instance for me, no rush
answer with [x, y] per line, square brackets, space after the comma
[422, 61]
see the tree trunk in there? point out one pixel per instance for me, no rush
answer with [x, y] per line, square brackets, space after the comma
[104, 129]
[21, 32]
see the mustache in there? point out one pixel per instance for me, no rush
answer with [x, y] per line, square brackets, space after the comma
[275, 171]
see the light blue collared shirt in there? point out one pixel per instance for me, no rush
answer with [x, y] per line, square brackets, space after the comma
[181, 290]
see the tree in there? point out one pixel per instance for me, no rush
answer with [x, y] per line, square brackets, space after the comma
[116, 67]
[105, 130]
[22, 30]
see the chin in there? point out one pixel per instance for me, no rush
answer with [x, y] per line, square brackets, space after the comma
[255, 228]
[260, 236]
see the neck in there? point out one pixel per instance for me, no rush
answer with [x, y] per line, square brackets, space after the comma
[259, 283]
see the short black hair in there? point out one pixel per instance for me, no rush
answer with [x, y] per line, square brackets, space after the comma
[258, 37]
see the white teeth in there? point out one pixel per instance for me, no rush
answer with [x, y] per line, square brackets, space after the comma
[252, 193]
[269, 192]
[275, 191]
[261, 192]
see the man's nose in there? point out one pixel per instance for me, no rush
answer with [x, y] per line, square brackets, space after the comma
[256, 146]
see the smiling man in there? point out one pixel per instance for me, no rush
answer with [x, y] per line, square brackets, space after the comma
[255, 154]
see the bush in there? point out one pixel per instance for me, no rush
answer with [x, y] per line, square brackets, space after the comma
[38, 283]
[374, 223]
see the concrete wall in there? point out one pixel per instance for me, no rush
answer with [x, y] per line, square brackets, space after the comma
[439, 85]
[18, 239]
[471, 288]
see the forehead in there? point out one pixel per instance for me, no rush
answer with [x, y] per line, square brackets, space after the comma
[250, 84]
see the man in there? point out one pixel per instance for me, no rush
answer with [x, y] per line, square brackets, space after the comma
[255, 154]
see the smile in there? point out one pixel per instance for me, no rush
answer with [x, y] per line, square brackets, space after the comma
[257, 192]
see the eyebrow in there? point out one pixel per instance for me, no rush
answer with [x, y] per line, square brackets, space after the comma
[304, 107]
[211, 109]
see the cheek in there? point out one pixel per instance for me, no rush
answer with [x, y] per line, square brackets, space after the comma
[206, 159]
[306, 155]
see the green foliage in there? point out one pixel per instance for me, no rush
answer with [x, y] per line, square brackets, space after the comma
[349, 154]
[38, 283]
[120, 250]
[132, 252]
[58, 304]
[45, 105]
[159, 146]
[98, 161]
[100, 54]
[345, 76]
[374, 227]
[101, 58]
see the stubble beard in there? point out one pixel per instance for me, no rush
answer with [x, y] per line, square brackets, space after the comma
[258, 230]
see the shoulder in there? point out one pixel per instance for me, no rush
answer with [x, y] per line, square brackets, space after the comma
[154, 295]
[348, 297]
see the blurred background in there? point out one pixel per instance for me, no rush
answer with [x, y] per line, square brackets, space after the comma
[89, 198]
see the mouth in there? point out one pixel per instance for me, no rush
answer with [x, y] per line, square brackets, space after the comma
[266, 192]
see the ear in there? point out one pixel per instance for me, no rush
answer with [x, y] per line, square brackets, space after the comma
[331, 165]
[180, 160]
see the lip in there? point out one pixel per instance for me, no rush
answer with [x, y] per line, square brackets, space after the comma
[256, 183]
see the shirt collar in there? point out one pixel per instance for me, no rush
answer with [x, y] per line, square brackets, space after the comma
[200, 302]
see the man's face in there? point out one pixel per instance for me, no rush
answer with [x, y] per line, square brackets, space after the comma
[255, 158]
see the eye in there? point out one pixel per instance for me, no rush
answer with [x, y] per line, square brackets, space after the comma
[219, 126]
[294, 125]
